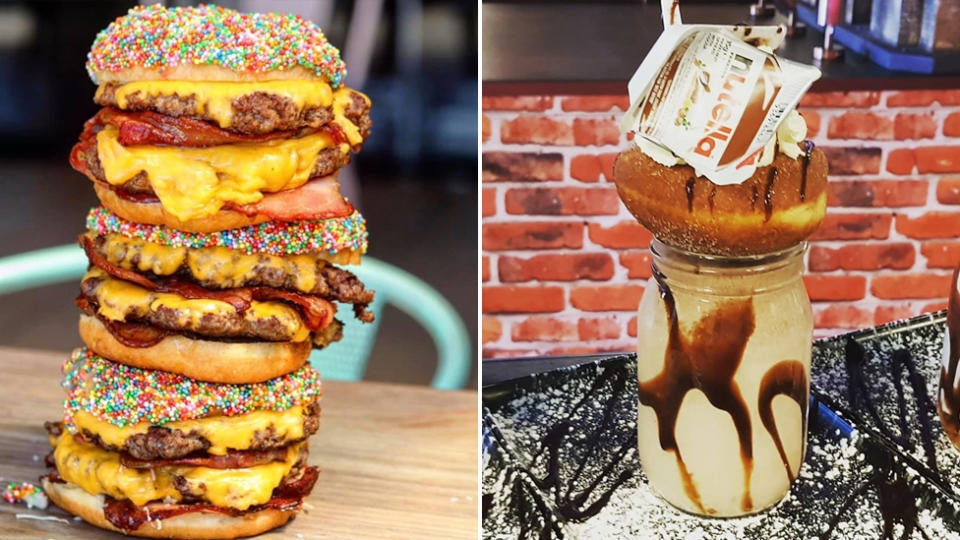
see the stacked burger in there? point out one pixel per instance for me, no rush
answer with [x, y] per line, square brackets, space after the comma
[213, 271]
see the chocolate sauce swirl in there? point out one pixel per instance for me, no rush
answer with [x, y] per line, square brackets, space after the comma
[788, 378]
[707, 360]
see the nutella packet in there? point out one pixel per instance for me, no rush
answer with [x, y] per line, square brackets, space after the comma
[714, 95]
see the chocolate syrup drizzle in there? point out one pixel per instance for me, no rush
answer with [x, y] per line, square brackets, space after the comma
[788, 378]
[577, 494]
[949, 409]
[896, 500]
[690, 184]
[807, 150]
[768, 195]
[857, 393]
[707, 360]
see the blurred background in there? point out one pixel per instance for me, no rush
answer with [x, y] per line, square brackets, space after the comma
[414, 181]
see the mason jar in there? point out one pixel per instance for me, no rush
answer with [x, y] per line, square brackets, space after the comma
[723, 365]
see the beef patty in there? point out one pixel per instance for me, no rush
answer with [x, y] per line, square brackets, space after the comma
[330, 282]
[254, 113]
[230, 324]
[160, 442]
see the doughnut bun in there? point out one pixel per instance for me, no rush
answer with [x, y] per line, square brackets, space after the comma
[778, 207]
[153, 42]
[209, 361]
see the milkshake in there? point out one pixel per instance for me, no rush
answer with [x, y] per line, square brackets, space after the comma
[723, 371]
[721, 173]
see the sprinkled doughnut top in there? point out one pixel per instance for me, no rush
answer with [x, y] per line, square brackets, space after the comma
[272, 238]
[154, 36]
[124, 395]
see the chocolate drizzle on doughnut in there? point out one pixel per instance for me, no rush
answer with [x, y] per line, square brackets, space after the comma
[690, 184]
[788, 378]
[707, 360]
[768, 195]
[807, 149]
[949, 407]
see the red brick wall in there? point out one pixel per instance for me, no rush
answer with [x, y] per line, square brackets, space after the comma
[564, 263]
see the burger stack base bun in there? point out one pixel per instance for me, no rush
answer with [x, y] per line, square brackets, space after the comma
[193, 526]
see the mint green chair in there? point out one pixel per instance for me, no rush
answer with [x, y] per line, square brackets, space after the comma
[347, 360]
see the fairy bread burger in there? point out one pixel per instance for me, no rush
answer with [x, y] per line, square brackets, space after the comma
[156, 454]
[214, 119]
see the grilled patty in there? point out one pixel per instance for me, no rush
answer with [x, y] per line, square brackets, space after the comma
[255, 113]
[226, 324]
[164, 443]
[329, 281]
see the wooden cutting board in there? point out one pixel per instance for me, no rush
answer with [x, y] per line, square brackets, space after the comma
[396, 461]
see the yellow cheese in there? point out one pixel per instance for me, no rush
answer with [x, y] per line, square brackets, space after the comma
[193, 183]
[223, 432]
[341, 100]
[98, 471]
[214, 99]
[119, 300]
[226, 267]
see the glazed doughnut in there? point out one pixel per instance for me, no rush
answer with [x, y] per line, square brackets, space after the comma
[778, 207]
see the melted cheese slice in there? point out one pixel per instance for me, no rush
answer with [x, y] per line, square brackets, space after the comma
[214, 99]
[226, 267]
[98, 471]
[118, 300]
[193, 183]
[223, 432]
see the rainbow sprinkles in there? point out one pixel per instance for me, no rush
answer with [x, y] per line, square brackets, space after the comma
[272, 238]
[156, 37]
[123, 395]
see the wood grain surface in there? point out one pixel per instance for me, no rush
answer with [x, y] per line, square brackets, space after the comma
[396, 461]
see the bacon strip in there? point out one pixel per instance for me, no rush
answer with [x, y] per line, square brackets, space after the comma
[120, 273]
[148, 127]
[319, 198]
[128, 517]
[235, 459]
[316, 312]
[131, 334]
